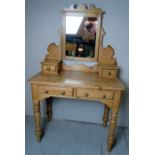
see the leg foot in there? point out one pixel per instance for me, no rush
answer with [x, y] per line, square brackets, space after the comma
[38, 136]
[110, 144]
[109, 148]
[112, 129]
[37, 118]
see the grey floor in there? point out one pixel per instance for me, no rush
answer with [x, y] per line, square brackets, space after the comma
[73, 138]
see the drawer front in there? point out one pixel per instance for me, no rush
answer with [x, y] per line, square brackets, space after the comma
[109, 73]
[93, 93]
[55, 91]
[48, 68]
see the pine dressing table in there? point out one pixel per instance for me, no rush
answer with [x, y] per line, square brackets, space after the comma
[78, 81]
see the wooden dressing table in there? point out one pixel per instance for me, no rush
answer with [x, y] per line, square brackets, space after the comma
[78, 81]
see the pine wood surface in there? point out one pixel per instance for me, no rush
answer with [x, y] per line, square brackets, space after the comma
[78, 79]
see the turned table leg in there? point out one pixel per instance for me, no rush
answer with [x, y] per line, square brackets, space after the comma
[37, 118]
[113, 120]
[105, 115]
[49, 108]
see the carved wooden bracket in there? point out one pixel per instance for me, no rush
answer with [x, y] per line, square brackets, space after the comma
[106, 55]
[54, 52]
[83, 7]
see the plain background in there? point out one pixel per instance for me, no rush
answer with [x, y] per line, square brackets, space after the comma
[43, 20]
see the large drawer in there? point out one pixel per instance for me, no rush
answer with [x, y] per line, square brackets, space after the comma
[55, 91]
[94, 93]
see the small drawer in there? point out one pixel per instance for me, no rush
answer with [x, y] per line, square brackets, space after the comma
[108, 72]
[55, 91]
[93, 93]
[48, 68]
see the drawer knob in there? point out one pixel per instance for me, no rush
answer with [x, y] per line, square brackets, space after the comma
[100, 88]
[109, 73]
[48, 68]
[86, 94]
[104, 96]
[46, 91]
[63, 93]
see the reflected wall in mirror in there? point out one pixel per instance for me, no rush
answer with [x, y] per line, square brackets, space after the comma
[80, 36]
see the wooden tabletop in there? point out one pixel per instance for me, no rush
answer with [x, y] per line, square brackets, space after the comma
[78, 79]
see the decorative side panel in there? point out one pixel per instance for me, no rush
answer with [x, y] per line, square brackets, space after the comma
[106, 55]
[52, 63]
[54, 52]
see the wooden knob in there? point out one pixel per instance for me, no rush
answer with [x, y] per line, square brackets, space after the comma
[109, 73]
[104, 96]
[63, 92]
[100, 88]
[46, 91]
[86, 94]
[48, 68]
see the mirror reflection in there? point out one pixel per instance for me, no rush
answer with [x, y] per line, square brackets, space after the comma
[80, 36]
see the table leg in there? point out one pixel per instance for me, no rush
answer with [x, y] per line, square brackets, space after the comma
[37, 118]
[113, 120]
[49, 108]
[105, 115]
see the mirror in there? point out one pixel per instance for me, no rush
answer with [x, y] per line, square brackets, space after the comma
[80, 36]
[81, 32]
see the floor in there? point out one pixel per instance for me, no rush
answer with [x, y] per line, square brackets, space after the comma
[73, 138]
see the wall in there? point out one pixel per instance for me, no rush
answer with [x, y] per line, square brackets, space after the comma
[43, 19]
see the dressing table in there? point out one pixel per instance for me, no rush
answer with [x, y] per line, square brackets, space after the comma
[81, 41]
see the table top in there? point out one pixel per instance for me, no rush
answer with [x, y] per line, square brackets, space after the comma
[77, 79]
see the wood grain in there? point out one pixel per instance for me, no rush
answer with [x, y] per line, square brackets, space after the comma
[78, 79]
[54, 52]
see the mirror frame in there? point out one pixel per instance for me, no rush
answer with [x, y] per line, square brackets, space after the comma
[83, 10]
